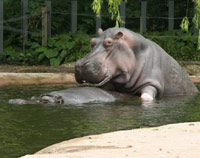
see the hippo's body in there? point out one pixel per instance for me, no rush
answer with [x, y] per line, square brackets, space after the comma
[132, 64]
[77, 95]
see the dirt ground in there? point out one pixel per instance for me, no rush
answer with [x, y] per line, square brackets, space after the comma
[191, 67]
[66, 68]
[169, 141]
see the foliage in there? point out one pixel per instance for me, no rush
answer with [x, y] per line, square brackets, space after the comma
[196, 21]
[179, 45]
[60, 49]
[63, 48]
[113, 9]
[185, 24]
[96, 6]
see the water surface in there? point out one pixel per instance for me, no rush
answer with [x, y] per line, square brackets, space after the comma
[25, 129]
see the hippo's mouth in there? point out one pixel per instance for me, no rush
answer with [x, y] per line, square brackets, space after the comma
[106, 79]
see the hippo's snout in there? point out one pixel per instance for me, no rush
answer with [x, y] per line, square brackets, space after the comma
[90, 71]
[83, 71]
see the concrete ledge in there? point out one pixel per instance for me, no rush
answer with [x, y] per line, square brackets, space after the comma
[46, 78]
[195, 79]
[35, 78]
[169, 141]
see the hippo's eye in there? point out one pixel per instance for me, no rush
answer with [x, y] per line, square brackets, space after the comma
[92, 43]
[108, 42]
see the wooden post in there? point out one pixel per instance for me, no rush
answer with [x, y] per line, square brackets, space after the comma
[1, 27]
[123, 13]
[171, 15]
[48, 5]
[73, 16]
[24, 23]
[98, 23]
[44, 26]
[143, 18]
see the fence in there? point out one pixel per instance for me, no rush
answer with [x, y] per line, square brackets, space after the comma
[46, 20]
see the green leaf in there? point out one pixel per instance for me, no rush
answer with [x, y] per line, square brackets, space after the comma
[34, 45]
[41, 49]
[51, 42]
[41, 57]
[10, 51]
[63, 54]
[50, 53]
[55, 61]
[185, 24]
[70, 45]
[58, 44]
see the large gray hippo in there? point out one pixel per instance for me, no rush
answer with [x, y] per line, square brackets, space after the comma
[132, 64]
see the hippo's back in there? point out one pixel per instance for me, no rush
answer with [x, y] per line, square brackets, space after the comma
[177, 81]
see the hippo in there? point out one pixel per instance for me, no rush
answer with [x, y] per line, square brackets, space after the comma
[73, 96]
[130, 63]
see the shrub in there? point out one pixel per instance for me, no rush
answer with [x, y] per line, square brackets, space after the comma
[181, 46]
[60, 49]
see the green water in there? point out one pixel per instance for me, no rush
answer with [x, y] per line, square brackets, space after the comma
[25, 129]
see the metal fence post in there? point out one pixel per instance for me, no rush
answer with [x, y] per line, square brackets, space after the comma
[73, 16]
[1, 27]
[195, 31]
[171, 15]
[123, 13]
[48, 5]
[98, 23]
[24, 23]
[143, 18]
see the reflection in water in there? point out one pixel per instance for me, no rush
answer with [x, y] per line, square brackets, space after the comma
[27, 128]
[147, 103]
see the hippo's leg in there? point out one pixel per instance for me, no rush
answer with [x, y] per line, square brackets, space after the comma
[148, 93]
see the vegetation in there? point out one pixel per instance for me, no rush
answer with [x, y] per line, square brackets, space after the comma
[63, 48]
[182, 46]
[113, 9]
[60, 49]
[196, 20]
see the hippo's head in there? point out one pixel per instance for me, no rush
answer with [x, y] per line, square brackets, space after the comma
[111, 58]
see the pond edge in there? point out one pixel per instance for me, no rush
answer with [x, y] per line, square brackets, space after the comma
[48, 78]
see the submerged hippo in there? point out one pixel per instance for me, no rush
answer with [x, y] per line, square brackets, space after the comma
[76, 95]
[132, 64]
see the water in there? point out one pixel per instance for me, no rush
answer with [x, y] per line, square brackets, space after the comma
[25, 129]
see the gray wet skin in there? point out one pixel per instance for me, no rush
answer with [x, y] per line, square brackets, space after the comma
[78, 95]
[132, 64]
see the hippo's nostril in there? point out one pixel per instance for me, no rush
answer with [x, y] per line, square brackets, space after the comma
[86, 63]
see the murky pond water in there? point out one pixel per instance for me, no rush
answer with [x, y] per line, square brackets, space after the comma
[25, 129]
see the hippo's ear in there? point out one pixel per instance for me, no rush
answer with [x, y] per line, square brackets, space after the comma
[119, 35]
[100, 32]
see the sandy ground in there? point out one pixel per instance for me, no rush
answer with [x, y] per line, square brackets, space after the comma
[169, 141]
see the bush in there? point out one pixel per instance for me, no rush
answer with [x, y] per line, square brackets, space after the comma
[60, 49]
[65, 48]
[181, 46]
